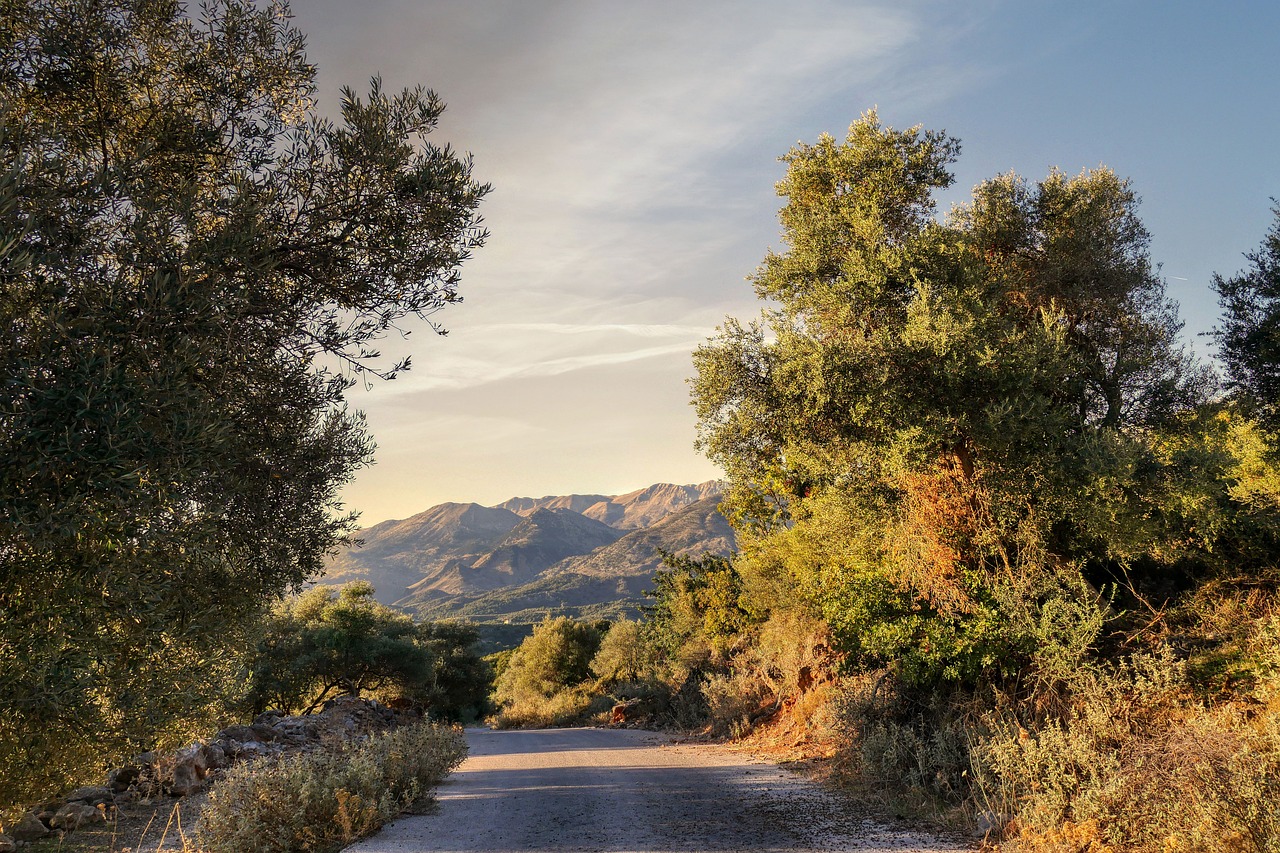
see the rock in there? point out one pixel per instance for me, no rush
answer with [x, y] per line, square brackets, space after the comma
[184, 773]
[196, 756]
[29, 828]
[250, 749]
[214, 756]
[632, 711]
[75, 815]
[122, 778]
[262, 732]
[185, 780]
[269, 718]
[239, 734]
[7, 844]
[125, 798]
[91, 794]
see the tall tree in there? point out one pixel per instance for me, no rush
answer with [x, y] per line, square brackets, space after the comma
[1249, 336]
[940, 410]
[194, 266]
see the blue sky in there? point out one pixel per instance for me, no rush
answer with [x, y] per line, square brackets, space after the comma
[633, 151]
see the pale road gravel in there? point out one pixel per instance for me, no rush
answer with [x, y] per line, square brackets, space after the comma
[621, 790]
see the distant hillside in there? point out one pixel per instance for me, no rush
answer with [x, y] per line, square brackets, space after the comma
[608, 582]
[631, 511]
[699, 528]
[398, 554]
[577, 503]
[534, 545]
[592, 553]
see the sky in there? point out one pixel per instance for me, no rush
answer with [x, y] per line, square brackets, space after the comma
[633, 151]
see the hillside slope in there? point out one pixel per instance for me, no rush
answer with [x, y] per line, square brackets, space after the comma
[566, 551]
[608, 582]
[631, 511]
[398, 554]
[534, 545]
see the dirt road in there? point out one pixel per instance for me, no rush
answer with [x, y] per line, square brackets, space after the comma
[618, 790]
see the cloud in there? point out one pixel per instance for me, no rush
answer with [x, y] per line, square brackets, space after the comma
[454, 372]
[633, 150]
[642, 330]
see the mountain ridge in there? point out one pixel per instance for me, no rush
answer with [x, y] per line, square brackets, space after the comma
[596, 549]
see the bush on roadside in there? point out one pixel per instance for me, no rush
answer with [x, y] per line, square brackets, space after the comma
[571, 706]
[1141, 763]
[547, 679]
[322, 801]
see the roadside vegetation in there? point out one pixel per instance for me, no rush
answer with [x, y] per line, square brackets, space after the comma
[339, 641]
[323, 801]
[1007, 547]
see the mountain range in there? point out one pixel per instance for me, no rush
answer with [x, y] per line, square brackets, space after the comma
[579, 555]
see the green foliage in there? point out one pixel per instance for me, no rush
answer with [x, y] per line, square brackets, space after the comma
[329, 642]
[625, 655]
[1249, 334]
[1138, 766]
[697, 613]
[322, 801]
[547, 680]
[940, 411]
[965, 446]
[184, 245]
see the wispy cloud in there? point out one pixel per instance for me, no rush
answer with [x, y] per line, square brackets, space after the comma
[456, 371]
[641, 330]
[632, 148]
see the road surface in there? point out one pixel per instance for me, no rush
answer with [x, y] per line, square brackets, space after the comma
[620, 790]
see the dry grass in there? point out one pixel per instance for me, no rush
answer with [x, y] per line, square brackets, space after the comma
[322, 801]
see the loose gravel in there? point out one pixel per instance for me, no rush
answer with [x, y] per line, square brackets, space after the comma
[626, 791]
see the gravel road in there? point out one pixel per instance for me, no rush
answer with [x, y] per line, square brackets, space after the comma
[623, 790]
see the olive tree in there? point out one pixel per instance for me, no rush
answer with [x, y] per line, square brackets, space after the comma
[340, 641]
[942, 417]
[194, 266]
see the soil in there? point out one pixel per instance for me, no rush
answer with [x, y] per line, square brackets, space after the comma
[146, 826]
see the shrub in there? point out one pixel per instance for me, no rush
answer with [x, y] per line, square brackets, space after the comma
[340, 640]
[912, 752]
[322, 801]
[1141, 766]
[547, 680]
[625, 655]
[567, 707]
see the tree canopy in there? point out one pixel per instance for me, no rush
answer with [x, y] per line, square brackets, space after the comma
[945, 418]
[1249, 335]
[193, 267]
[330, 642]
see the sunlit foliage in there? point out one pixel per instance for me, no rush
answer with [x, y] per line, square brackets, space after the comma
[331, 642]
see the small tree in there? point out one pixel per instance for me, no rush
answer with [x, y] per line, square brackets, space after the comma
[340, 641]
[697, 613]
[625, 654]
[556, 656]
